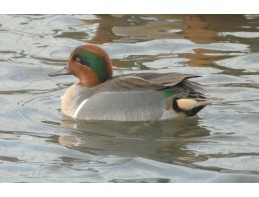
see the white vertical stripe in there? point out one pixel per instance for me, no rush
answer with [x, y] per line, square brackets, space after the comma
[79, 108]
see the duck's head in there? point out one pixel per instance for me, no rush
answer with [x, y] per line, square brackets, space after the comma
[90, 64]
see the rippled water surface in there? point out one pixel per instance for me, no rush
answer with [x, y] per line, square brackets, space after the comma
[221, 144]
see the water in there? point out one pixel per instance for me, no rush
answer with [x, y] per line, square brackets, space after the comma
[221, 144]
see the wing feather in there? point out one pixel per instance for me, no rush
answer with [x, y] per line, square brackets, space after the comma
[143, 82]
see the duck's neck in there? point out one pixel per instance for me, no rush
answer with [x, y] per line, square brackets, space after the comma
[89, 83]
[90, 80]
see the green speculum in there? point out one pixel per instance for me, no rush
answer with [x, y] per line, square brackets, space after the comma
[168, 93]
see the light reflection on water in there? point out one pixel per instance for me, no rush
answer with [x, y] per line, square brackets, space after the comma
[38, 144]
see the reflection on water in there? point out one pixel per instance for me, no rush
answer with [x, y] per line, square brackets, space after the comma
[38, 144]
[162, 141]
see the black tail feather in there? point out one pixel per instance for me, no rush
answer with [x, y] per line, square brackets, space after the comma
[194, 111]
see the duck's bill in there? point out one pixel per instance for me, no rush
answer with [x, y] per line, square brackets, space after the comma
[64, 71]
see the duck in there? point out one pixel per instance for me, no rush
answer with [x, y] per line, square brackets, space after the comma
[129, 97]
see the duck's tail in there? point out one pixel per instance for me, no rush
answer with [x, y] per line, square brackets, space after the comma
[189, 106]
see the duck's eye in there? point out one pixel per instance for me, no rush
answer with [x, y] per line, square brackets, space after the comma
[81, 59]
[77, 59]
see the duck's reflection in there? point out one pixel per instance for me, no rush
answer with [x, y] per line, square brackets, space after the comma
[162, 141]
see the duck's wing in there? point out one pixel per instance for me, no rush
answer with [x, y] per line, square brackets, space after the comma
[143, 82]
[167, 79]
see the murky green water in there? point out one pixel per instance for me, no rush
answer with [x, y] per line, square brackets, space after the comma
[221, 144]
